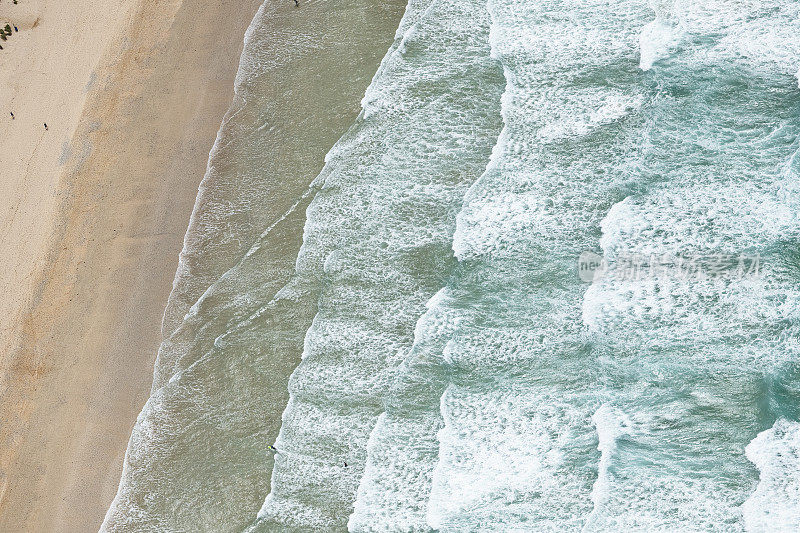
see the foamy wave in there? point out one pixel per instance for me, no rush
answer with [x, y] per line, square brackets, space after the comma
[661, 35]
[378, 235]
[611, 424]
[775, 504]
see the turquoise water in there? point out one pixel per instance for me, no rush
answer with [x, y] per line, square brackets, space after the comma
[463, 368]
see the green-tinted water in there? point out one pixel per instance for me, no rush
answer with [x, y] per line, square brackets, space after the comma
[462, 372]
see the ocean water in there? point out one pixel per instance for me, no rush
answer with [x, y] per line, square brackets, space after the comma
[235, 322]
[549, 280]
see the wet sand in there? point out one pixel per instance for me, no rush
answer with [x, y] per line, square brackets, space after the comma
[92, 220]
[96, 212]
[233, 335]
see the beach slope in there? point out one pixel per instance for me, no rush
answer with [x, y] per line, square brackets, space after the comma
[92, 219]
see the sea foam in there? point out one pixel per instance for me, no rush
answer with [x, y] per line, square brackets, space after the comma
[381, 226]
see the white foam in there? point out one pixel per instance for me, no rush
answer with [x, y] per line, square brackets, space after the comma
[611, 424]
[378, 236]
[759, 36]
[660, 36]
[505, 462]
[517, 446]
[775, 504]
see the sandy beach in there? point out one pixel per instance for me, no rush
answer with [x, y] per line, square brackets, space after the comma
[319, 265]
[96, 209]
[92, 219]
[234, 327]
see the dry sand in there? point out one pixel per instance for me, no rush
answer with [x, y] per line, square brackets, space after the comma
[92, 217]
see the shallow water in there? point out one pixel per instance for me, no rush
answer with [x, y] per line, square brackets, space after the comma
[461, 363]
[233, 331]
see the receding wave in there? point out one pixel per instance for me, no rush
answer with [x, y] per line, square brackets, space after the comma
[547, 281]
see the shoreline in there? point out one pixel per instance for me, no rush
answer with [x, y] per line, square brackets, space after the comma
[232, 333]
[93, 228]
